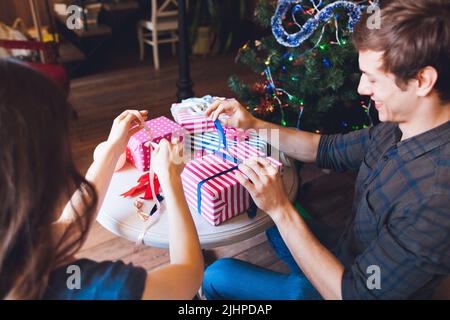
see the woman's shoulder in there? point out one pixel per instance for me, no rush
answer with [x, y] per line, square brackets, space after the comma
[86, 279]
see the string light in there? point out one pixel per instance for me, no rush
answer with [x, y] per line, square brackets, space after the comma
[317, 15]
[326, 63]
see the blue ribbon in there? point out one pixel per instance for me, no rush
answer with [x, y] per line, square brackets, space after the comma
[251, 212]
[222, 137]
[223, 144]
[200, 184]
[210, 142]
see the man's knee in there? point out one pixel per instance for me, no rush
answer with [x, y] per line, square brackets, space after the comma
[216, 275]
[220, 268]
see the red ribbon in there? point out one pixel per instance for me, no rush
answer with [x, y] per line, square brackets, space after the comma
[143, 185]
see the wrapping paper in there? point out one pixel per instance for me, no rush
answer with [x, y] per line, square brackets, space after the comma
[210, 185]
[221, 197]
[210, 141]
[190, 114]
[138, 150]
[193, 123]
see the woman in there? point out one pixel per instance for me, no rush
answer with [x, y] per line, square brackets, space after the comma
[38, 181]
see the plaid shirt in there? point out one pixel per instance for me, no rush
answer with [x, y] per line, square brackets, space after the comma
[400, 220]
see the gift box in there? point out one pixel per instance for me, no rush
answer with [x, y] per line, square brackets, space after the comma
[190, 114]
[243, 151]
[139, 150]
[211, 187]
[210, 141]
[193, 123]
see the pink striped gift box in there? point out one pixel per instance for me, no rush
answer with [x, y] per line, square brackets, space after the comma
[193, 123]
[210, 141]
[241, 150]
[222, 197]
[138, 151]
[244, 151]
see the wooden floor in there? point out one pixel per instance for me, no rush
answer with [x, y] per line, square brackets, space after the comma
[99, 98]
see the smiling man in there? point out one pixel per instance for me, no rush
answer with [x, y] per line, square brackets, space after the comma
[397, 241]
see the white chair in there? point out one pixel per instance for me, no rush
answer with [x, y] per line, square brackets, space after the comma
[164, 21]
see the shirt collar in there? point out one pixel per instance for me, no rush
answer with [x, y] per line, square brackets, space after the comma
[422, 143]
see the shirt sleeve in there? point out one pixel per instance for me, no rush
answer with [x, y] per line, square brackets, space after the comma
[342, 152]
[409, 253]
[106, 280]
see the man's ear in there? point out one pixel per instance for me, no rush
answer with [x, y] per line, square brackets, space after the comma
[427, 78]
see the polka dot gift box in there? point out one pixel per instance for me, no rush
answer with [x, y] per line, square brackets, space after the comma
[138, 150]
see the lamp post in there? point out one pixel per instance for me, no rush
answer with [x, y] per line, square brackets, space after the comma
[184, 83]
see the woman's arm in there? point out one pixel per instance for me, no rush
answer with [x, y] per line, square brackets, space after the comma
[183, 276]
[101, 170]
[99, 174]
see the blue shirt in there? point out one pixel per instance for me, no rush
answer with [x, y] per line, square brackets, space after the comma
[98, 281]
[400, 220]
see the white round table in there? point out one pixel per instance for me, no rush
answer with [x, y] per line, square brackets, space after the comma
[118, 215]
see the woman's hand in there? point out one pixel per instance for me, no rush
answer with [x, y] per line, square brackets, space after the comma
[264, 183]
[238, 116]
[124, 126]
[167, 160]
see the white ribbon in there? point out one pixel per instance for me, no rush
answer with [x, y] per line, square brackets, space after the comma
[194, 106]
[153, 218]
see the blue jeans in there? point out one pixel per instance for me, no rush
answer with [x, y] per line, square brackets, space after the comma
[233, 279]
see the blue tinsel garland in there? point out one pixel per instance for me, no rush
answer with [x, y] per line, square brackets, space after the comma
[295, 39]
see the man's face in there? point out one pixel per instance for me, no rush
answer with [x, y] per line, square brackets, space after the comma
[393, 104]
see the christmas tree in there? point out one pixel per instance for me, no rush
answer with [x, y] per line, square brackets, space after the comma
[307, 66]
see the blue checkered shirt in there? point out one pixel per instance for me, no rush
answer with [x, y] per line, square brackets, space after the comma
[399, 227]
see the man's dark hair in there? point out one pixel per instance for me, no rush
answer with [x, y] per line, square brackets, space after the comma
[414, 34]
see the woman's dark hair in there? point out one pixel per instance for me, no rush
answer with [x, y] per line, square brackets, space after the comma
[37, 178]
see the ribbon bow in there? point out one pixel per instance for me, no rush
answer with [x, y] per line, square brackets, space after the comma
[143, 185]
[237, 135]
[195, 106]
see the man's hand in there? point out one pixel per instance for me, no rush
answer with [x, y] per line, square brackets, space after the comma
[238, 116]
[264, 183]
